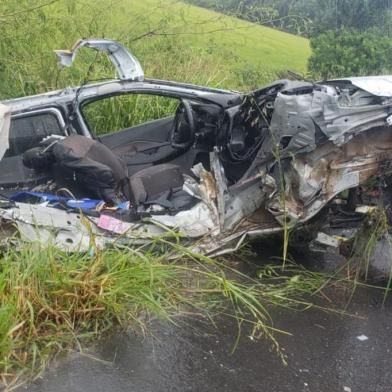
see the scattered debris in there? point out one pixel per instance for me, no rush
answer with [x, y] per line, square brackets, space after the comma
[362, 338]
[327, 240]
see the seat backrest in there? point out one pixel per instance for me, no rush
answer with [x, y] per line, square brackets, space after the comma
[148, 183]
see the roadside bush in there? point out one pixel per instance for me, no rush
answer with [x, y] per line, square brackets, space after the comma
[349, 52]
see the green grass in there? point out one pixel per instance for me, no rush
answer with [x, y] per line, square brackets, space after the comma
[171, 39]
[127, 111]
[248, 43]
[51, 301]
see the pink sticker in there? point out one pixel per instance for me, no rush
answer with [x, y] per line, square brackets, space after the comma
[112, 224]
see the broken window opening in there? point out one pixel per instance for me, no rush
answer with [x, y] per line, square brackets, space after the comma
[121, 112]
[28, 131]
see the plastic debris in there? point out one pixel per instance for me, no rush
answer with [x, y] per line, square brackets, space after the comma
[113, 224]
[362, 338]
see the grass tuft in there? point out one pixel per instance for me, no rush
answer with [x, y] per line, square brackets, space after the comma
[52, 301]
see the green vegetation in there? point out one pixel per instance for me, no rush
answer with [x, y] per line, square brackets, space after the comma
[348, 37]
[52, 301]
[127, 111]
[171, 39]
[348, 52]
[373, 230]
[309, 17]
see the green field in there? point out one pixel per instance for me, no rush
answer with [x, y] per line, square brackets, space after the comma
[172, 40]
[247, 42]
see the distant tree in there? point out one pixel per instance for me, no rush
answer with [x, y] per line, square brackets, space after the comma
[348, 52]
[337, 14]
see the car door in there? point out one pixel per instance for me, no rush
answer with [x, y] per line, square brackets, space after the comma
[27, 131]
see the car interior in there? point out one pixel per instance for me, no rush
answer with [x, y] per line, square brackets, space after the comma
[156, 152]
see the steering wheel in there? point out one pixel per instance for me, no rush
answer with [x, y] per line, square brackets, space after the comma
[183, 131]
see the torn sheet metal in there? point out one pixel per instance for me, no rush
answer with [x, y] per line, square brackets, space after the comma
[194, 223]
[72, 231]
[206, 190]
[127, 66]
[313, 180]
[221, 186]
[304, 118]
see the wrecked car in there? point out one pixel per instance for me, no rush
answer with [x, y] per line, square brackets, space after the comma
[211, 166]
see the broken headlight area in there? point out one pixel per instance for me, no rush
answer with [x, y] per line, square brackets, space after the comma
[351, 235]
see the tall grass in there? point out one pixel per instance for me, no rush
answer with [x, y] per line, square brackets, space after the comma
[374, 228]
[52, 301]
[172, 40]
[123, 111]
[358, 267]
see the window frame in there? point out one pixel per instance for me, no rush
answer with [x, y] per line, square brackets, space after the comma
[143, 91]
[51, 110]
[56, 112]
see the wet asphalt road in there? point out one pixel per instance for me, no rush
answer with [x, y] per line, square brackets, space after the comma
[323, 354]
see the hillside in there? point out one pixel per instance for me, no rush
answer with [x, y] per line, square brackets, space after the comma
[255, 44]
[172, 40]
